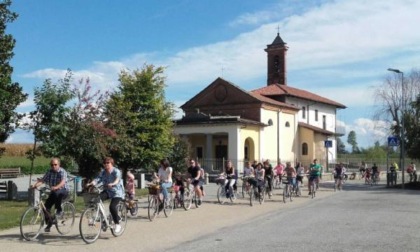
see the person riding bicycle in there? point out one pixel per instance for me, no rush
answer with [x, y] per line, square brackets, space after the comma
[56, 179]
[230, 178]
[179, 184]
[130, 190]
[314, 174]
[290, 175]
[113, 188]
[194, 174]
[279, 170]
[165, 178]
[362, 169]
[339, 173]
[269, 176]
[375, 171]
[260, 177]
[249, 174]
[300, 170]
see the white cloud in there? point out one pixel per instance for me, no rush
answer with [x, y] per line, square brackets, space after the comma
[367, 131]
[332, 40]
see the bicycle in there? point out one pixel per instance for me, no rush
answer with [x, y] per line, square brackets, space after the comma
[313, 186]
[184, 200]
[246, 186]
[287, 191]
[94, 218]
[131, 205]
[260, 196]
[222, 194]
[338, 183]
[248, 189]
[34, 218]
[157, 204]
[374, 180]
[277, 183]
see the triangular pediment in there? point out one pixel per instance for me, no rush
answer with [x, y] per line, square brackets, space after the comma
[220, 93]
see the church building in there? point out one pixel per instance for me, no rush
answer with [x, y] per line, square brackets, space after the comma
[274, 122]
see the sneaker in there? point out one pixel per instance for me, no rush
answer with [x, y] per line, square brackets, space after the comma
[47, 229]
[117, 228]
[199, 203]
[270, 194]
[309, 193]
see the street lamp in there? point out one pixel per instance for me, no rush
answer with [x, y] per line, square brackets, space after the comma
[402, 121]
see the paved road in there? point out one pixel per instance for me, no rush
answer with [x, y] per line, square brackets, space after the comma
[352, 214]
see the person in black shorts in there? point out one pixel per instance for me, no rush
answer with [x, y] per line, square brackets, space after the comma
[195, 174]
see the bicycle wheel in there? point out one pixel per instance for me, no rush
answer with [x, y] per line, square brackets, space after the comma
[291, 190]
[232, 194]
[134, 210]
[251, 194]
[169, 206]
[90, 225]
[31, 223]
[285, 191]
[187, 200]
[221, 194]
[261, 196]
[122, 213]
[153, 208]
[313, 188]
[298, 190]
[243, 188]
[66, 222]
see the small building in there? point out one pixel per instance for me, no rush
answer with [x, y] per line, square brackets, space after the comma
[275, 122]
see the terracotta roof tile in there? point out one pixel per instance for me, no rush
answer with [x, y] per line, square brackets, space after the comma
[283, 90]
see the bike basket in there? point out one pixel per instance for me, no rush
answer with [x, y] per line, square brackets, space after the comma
[90, 198]
[154, 189]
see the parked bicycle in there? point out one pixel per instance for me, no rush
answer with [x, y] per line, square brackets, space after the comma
[94, 219]
[35, 217]
[157, 203]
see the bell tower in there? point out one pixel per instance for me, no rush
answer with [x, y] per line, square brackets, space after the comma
[276, 62]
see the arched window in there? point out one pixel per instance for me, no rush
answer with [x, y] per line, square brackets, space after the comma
[305, 149]
[287, 124]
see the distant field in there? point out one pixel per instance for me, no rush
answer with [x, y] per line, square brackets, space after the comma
[14, 156]
[16, 150]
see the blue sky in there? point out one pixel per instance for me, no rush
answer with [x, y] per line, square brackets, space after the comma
[337, 49]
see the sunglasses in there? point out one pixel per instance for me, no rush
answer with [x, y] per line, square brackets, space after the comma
[107, 162]
[54, 164]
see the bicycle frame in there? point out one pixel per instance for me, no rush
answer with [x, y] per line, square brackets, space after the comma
[95, 216]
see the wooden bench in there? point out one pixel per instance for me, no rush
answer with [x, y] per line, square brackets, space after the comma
[10, 172]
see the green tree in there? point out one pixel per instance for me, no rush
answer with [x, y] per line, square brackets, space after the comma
[11, 94]
[69, 122]
[351, 139]
[341, 147]
[179, 154]
[141, 119]
[412, 129]
[390, 97]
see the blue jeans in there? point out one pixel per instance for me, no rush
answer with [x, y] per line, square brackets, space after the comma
[292, 181]
[165, 187]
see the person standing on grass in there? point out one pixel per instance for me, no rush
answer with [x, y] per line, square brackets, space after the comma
[56, 179]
